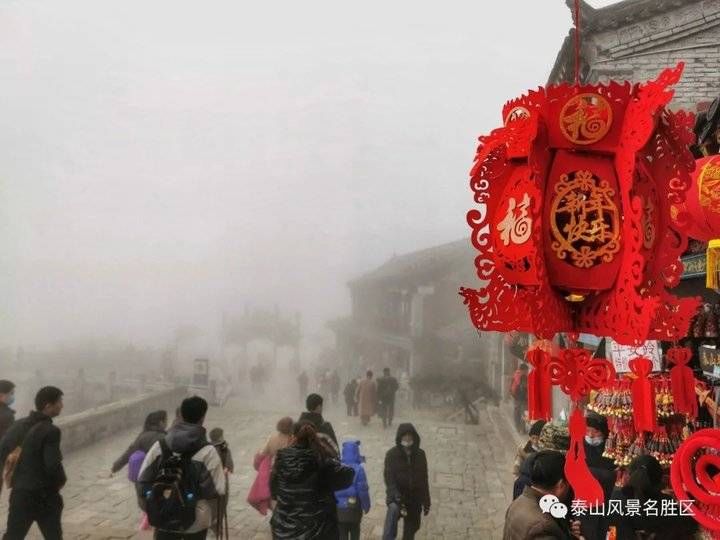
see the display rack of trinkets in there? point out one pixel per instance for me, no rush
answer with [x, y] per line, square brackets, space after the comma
[623, 443]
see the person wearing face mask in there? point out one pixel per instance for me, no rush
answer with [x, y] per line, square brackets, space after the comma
[406, 484]
[532, 446]
[595, 527]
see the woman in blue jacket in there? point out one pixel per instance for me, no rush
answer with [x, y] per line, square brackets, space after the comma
[354, 500]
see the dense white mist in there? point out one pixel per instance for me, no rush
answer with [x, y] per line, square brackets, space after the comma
[163, 161]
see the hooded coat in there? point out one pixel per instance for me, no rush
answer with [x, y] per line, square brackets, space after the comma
[366, 396]
[303, 483]
[406, 473]
[354, 499]
[152, 432]
[189, 439]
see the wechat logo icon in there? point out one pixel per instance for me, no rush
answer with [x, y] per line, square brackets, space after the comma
[550, 504]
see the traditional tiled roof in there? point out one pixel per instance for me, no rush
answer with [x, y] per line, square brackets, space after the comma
[430, 261]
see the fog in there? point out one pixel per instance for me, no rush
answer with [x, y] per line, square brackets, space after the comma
[164, 162]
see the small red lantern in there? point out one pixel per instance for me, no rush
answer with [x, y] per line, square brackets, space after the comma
[702, 202]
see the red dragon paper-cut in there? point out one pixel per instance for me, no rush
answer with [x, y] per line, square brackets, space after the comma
[573, 225]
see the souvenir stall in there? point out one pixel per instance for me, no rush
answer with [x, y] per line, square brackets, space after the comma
[584, 199]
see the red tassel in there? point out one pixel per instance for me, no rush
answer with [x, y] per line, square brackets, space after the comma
[539, 400]
[584, 484]
[682, 381]
[643, 397]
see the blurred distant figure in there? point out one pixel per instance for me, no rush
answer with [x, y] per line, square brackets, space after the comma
[334, 384]
[366, 397]
[31, 452]
[350, 401]
[303, 384]
[466, 402]
[7, 414]
[387, 387]
[519, 393]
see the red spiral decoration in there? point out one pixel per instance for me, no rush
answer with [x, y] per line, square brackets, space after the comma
[691, 477]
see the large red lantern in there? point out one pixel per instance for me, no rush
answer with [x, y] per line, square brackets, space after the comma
[573, 226]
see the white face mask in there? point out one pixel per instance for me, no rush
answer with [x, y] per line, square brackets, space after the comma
[593, 441]
[406, 444]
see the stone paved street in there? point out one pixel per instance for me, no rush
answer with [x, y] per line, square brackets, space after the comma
[471, 483]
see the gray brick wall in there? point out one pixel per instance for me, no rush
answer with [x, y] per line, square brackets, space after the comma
[639, 49]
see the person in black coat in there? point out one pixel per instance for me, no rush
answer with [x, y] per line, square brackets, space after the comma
[406, 483]
[595, 527]
[325, 431]
[644, 484]
[350, 401]
[7, 398]
[153, 431]
[39, 474]
[303, 484]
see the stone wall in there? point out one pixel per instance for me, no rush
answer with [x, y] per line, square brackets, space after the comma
[624, 44]
[89, 426]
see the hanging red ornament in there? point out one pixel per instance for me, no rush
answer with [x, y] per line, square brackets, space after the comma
[573, 225]
[539, 387]
[694, 477]
[682, 381]
[577, 373]
[643, 397]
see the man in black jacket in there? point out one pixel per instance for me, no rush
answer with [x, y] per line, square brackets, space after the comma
[406, 483]
[39, 475]
[7, 398]
[387, 387]
[325, 431]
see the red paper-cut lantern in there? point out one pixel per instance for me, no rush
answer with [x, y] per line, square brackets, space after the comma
[590, 173]
[702, 202]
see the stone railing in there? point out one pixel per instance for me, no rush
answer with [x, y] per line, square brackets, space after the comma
[95, 424]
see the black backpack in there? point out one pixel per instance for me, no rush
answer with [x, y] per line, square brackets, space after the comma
[172, 497]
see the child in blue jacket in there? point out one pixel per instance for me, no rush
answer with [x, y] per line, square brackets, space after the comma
[352, 501]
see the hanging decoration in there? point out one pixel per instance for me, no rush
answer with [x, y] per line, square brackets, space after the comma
[702, 201]
[694, 476]
[577, 373]
[574, 225]
[682, 381]
[539, 386]
[643, 397]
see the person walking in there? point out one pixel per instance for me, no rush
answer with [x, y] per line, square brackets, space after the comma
[387, 387]
[325, 431]
[350, 401]
[303, 482]
[7, 398]
[519, 392]
[153, 430]
[259, 495]
[186, 463]
[406, 484]
[303, 382]
[353, 501]
[31, 453]
[366, 396]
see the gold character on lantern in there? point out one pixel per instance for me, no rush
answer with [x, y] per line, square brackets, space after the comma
[516, 227]
[585, 221]
[709, 184]
[585, 119]
[515, 113]
[648, 224]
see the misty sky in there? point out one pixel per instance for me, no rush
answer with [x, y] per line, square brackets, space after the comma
[163, 161]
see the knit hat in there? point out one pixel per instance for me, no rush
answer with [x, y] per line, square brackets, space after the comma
[554, 437]
[598, 422]
[536, 428]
